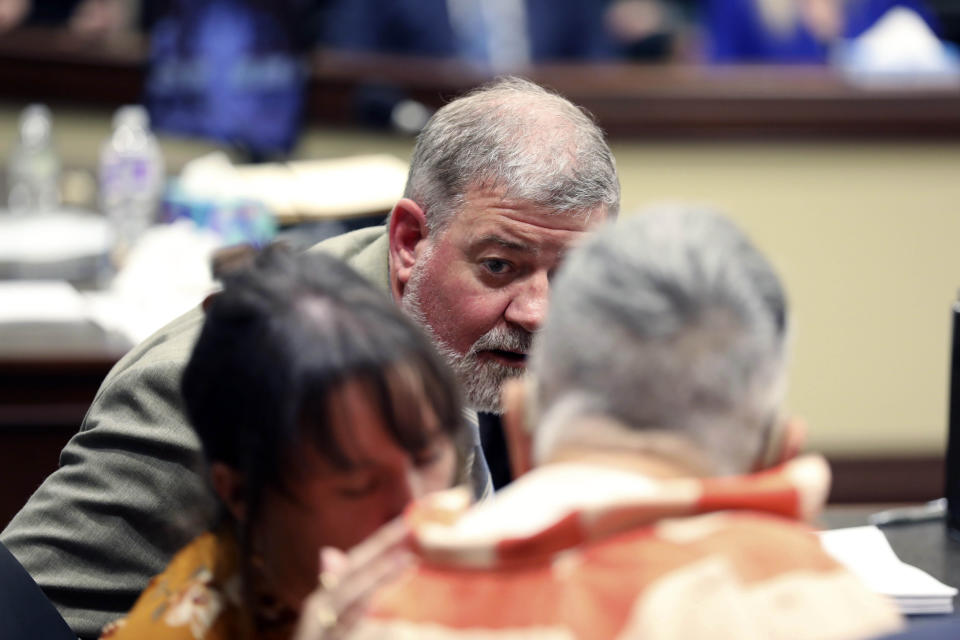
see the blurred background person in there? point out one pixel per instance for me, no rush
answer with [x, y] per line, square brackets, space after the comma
[215, 67]
[322, 412]
[491, 36]
[87, 17]
[500, 35]
[792, 31]
[652, 30]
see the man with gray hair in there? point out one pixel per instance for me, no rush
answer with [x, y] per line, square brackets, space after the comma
[692, 354]
[501, 182]
[664, 502]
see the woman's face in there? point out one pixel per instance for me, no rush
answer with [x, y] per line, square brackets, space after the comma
[330, 506]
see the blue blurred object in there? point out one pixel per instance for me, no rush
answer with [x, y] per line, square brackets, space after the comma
[235, 221]
[229, 70]
[737, 32]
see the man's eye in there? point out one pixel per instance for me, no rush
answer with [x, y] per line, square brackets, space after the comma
[495, 266]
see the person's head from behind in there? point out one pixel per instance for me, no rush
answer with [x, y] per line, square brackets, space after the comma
[501, 183]
[322, 411]
[666, 338]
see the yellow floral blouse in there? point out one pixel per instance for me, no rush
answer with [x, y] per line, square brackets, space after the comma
[199, 596]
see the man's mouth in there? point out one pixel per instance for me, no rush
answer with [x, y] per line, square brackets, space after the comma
[508, 358]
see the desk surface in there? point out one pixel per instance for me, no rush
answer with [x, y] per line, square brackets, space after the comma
[923, 544]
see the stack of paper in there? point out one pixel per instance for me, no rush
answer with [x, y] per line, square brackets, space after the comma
[307, 190]
[68, 243]
[866, 552]
[40, 301]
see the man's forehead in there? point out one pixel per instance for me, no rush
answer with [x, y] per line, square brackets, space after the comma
[496, 192]
[525, 230]
[494, 207]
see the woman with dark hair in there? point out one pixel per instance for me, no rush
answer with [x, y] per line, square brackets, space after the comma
[322, 412]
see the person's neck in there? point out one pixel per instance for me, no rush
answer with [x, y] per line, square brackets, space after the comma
[649, 465]
[656, 453]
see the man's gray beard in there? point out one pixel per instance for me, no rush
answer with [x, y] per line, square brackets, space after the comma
[481, 380]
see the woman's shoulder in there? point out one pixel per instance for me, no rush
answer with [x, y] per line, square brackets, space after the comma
[196, 597]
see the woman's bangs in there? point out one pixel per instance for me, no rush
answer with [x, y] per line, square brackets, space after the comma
[415, 404]
[316, 421]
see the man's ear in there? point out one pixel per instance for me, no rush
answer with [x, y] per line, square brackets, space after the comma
[229, 485]
[795, 438]
[515, 428]
[408, 228]
[786, 440]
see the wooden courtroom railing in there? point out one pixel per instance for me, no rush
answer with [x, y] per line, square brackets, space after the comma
[627, 99]
[678, 101]
[48, 378]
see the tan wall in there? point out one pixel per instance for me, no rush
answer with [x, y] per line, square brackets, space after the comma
[867, 238]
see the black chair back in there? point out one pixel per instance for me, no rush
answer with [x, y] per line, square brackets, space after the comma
[25, 612]
[952, 489]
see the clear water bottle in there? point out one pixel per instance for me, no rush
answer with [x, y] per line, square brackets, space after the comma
[33, 173]
[131, 176]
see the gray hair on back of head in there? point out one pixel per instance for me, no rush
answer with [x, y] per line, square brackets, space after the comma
[516, 136]
[670, 321]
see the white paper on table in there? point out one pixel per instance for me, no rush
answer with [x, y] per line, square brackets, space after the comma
[347, 186]
[41, 301]
[52, 237]
[317, 190]
[866, 552]
[166, 274]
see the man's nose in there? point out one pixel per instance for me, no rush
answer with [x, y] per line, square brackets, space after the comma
[528, 307]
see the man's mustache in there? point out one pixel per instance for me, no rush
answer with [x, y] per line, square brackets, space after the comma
[503, 339]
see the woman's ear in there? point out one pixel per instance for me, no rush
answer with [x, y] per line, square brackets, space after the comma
[408, 228]
[229, 485]
[518, 433]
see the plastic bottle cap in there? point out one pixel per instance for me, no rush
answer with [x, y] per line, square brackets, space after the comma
[35, 125]
[131, 115]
